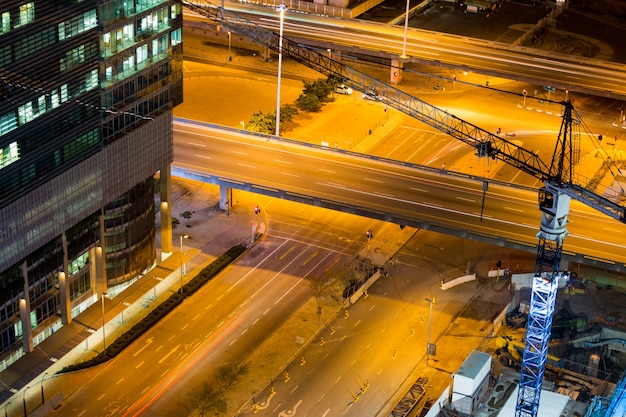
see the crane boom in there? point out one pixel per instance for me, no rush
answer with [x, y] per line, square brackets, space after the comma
[484, 142]
[554, 197]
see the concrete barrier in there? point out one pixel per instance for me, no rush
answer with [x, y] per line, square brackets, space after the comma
[460, 280]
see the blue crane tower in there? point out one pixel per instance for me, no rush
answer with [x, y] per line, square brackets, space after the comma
[554, 198]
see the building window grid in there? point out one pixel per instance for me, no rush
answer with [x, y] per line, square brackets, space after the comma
[78, 56]
[77, 25]
[80, 285]
[34, 43]
[47, 102]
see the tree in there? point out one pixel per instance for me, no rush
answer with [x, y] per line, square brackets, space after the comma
[309, 103]
[262, 122]
[266, 122]
[321, 88]
[227, 375]
[205, 399]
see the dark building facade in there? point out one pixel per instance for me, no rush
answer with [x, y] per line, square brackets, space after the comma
[86, 96]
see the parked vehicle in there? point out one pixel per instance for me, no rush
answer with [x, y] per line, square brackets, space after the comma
[370, 95]
[343, 89]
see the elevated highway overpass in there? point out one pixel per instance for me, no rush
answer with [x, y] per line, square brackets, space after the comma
[393, 191]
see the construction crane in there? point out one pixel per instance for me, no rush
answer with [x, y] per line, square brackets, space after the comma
[554, 197]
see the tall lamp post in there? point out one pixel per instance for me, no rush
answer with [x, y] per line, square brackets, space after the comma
[182, 265]
[6, 413]
[104, 341]
[429, 348]
[229, 37]
[281, 8]
[406, 27]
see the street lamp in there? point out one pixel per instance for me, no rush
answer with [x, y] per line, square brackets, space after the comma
[104, 342]
[430, 322]
[43, 401]
[406, 27]
[181, 261]
[229, 37]
[281, 8]
[6, 413]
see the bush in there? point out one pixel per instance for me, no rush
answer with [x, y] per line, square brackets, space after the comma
[160, 311]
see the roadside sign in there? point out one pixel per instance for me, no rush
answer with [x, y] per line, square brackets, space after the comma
[524, 92]
[548, 88]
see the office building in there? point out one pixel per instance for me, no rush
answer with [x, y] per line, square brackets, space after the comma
[87, 90]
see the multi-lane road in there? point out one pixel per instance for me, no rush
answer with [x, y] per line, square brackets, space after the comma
[497, 59]
[428, 196]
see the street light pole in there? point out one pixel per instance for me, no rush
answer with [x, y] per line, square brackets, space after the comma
[181, 262]
[104, 341]
[406, 27]
[430, 322]
[43, 401]
[229, 36]
[6, 413]
[281, 8]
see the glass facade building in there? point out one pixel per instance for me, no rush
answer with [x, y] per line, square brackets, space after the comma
[87, 90]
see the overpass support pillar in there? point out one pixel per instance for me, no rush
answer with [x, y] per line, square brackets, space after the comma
[397, 66]
[266, 53]
[226, 198]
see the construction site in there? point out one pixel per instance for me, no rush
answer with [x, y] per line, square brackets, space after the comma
[584, 371]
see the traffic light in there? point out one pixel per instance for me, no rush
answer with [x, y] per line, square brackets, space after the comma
[369, 234]
[257, 210]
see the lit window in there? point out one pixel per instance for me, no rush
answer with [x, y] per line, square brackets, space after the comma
[8, 122]
[27, 13]
[6, 22]
[177, 37]
[8, 154]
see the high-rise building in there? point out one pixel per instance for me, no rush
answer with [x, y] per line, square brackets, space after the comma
[87, 89]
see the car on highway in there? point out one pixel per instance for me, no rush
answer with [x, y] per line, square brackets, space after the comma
[343, 89]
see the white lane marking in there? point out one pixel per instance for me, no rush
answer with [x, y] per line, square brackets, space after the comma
[513, 209]
[247, 166]
[327, 170]
[290, 174]
[282, 162]
[202, 145]
[240, 153]
[373, 180]
[203, 156]
[466, 199]
[418, 189]
[252, 271]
